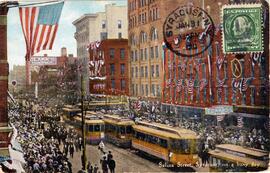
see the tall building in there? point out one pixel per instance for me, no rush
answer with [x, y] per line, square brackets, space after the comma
[145, 32]
[109, 67]
[111, 24]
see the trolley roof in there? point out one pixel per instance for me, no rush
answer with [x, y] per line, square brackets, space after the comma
[116, 119]
[164, 131]
[71, 109]
[91, 120]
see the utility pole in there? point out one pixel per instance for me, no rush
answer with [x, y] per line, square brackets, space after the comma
[83, 157]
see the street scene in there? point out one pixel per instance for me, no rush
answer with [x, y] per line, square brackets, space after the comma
[123, 86]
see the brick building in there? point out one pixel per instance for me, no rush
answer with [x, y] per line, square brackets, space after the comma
[212, 83]
[146, 19]
[108, 67]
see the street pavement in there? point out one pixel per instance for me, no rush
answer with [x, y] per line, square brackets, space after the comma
[127, 161]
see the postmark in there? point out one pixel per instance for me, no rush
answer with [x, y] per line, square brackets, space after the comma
[189, 28]
[242, 28]
[236, 68]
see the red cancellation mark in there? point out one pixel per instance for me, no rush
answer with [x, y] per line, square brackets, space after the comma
[188, 28]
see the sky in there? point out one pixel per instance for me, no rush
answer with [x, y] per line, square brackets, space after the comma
[72, 10]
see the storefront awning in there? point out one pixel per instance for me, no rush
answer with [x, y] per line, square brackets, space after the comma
[250, 115]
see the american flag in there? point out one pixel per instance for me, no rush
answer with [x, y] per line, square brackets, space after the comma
[203, 84]
[190, 85]
[240, 122]
[235, 84]
[220, 84]
[138, 105]
[179, 85]
[39, 25]
[255, 57]
[220, 118]
[244, 83]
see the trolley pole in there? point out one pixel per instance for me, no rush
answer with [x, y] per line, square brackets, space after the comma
[83, 157]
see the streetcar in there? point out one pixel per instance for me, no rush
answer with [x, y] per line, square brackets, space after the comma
[94, 127]
[229, 157]
[118, 130]
[69, 112]
[173, 145]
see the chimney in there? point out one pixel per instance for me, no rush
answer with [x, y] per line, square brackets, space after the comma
[63, 52]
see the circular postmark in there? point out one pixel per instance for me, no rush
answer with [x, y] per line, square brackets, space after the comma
[188, 31]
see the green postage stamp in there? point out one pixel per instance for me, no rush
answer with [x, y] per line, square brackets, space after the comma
[242, 28]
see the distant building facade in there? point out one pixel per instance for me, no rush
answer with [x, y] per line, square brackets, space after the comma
[111, 24]
[108, 67]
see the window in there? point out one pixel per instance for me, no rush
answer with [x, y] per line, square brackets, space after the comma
[145, 53]
[142, 70]
[136, 55]
[132, 56]
[158, 90]
[122, 69]
[146, 89]
[156, 51]
[132, 72]
[154, 34]
[146, 71]
[112, 68]
[119, 23]
[103, 24]
[142, 89]
[152, 70]
[141, 54]
[113, 84]
[103, 35]
[133, 89]
[136, 73]
[143, 37]
[111, 52]
[153, 89]
[151, 52]
[119, 35]
[136, 89]
[122, 53]
[123, 84]
[157, 70]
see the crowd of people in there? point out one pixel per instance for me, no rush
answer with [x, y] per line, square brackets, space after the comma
[42, 154]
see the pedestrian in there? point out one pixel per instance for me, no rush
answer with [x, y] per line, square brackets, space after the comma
[112, 165]
[104, 165]
[80, 143]
[101, 147]
[109, 156]
[95, 170]
[71, 150]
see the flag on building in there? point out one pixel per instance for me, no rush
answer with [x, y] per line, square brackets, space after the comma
[40, 25]
[240, 122]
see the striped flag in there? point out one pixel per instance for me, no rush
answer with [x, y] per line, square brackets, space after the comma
[40, 25]
[220, 84]
[203, 84]
[190, 85]
[240, 122]
[179, 85]
[244, 84]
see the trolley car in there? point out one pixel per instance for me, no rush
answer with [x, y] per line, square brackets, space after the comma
[69, 112]
[118, 130]
[174, 145]
[228, 157]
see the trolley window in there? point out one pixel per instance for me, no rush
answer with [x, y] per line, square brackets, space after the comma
[91, 128]
[122, 130]
[128, 129]
[183, 146]
[97, 128]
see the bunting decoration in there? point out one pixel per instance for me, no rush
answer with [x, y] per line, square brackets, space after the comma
[219, 61]
[241, 85]
[183, 66]
[40, 25]
[255, 58]
[169, 83]
[197, 65]
[220, 84]
[94, 45]
[203, 84]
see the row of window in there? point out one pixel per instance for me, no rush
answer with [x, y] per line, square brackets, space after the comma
[143, 18]
[122, 84]
[122, 69]
[139, 3]
[144, 71]
[112, 53]
[153, 53]
[119, 24]
[143, 37]
[104, 35]
[151, 139]
[144, 90]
